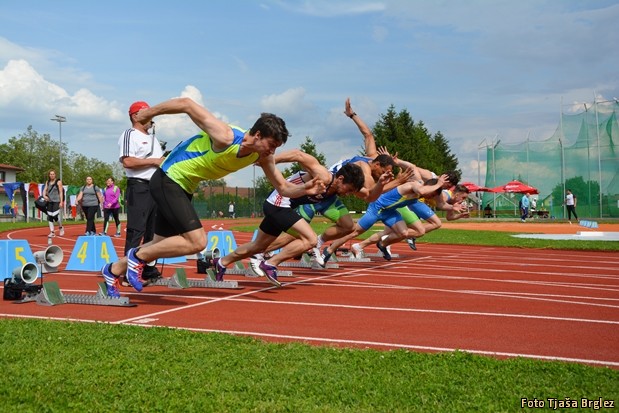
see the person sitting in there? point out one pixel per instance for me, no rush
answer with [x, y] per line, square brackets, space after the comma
[488, 211]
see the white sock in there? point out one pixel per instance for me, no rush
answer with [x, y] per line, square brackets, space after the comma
[51, 226]
[320, 241]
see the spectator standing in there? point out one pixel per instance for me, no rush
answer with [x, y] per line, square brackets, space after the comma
[570, 204]
[90, 198]
[140, 154]
[53, 192]
[111, 205]
[525, 203]
[231, 210]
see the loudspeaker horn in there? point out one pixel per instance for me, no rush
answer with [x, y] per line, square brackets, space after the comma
[214, 253]
[27, 273]
[49, 259]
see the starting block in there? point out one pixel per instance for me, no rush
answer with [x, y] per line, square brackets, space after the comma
[13, 254]
[222, 240]
[52, 295]
[307, 262]
[588, 224]
[180, 280]
[91, 253]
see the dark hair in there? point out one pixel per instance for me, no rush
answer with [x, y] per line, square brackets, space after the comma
[353, 174]
[453, 176]
[431, 182]
[271, 126]
[384, 160]
[462, 188]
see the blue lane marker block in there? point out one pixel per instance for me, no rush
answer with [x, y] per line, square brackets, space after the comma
[91, 253]
[254, 237]
[172, 260]
[15, 253]
[223, 240]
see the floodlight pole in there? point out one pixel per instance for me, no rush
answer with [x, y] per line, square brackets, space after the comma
[60, 119]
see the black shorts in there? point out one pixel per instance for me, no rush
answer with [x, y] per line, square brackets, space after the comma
[277, 219]
[175, 213]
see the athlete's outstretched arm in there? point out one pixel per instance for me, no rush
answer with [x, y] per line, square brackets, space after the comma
[285, 188]
[219, 131]
[368, 137]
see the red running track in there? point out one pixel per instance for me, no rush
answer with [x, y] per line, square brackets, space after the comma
[502, 302]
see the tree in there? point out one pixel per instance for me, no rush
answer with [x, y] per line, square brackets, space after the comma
[37, 154]
[399, 133]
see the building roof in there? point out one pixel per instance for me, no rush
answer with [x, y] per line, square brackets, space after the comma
[11, 168]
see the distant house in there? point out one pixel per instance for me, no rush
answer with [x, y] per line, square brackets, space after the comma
[8, 173]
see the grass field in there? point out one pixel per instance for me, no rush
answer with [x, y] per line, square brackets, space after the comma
[53, 366]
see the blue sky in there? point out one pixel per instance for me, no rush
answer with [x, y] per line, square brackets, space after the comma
[472, 70]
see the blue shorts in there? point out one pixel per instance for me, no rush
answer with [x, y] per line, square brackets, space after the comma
[388, 217]
[421, 210]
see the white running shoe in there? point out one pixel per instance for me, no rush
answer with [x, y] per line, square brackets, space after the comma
[357, 251]
[317, 255]
[254, 263]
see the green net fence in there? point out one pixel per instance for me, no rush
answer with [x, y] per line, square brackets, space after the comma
[581, 156]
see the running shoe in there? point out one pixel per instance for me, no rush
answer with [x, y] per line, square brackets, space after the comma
[357, 251]
[318, 256]
[62, 231]
[270, 272]
[150, 275]
[384, 250]
[220, 270]
[51, 235]
[411, 243]
[326, 255]
[254, 263]
[135, 266]
[110, 281]
[117, 235]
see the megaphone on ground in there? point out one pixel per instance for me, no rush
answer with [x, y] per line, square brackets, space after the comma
[49, 259]
[205, 259]
[22, 279]
[214, 253]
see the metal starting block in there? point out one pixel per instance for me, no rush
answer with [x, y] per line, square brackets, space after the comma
[180, 280]
[52, 295]
[380, 255]
[308, 262]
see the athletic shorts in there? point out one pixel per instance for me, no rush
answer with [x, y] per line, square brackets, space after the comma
[421, 210]
[387, 216]
[53, 210]
[408, 216]
[333, 209]
[175, 213]
[277, 219]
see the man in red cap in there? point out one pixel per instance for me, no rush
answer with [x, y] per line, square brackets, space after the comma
[141, 154]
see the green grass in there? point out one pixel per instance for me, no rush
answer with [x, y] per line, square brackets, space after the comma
[493, 238]
[52, 366]
[76, 367]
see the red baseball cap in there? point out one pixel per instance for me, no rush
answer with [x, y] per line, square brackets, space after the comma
[137, 106]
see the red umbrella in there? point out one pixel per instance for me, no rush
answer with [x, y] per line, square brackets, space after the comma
[515, 187]
[474, 188]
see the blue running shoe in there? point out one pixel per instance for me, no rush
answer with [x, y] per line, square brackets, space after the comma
[135, 266]
[220, 270]
[383, 249]
[326, 255]
[270, 272]
[411, 243]
[110, 281]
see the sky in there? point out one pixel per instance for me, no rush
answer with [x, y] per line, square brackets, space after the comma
[476, 71]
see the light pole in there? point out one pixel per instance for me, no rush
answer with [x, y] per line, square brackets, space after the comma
[60, 119]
